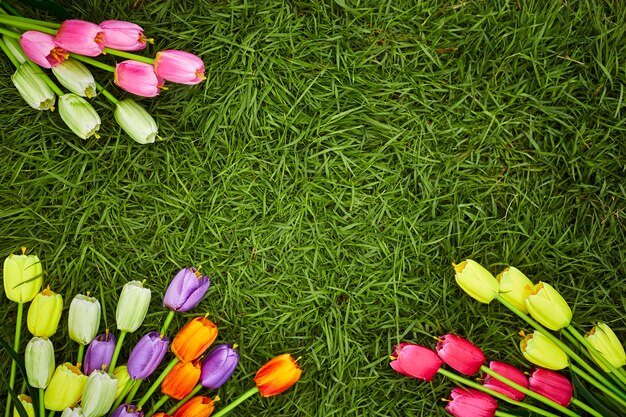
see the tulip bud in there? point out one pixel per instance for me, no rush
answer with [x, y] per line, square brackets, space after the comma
[515, 287]
[44, 313]
[123, 36]
[127, 410]
[23, 277]
[538, 349]
[84, 319]
[65, 388]
[551, 385]
[181, 380]
[476, 281]
[196, 407]
[132, 306]
[73, 412]
[186, 290]
[512, 374]
[276, 376]
[121, 373]
[39, 361]
[76, 77]
[194, 339]
[460, 354]
[465, 402]
[137, 78]
[79, 116]
[99, 353]
[27, 403]
[136, 121]
[15, 48]
[179, 67]
[602, 338]
[218, 366]
[547, 306]
[33, 89]
[80, 37]
[147, 355]
[415, 361]
[99, 394]
[41, 49]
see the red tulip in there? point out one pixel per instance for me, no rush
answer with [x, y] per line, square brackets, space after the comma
[415, 361]
[509, 372]
[460, 354]
[179, 67]
[467, 402]
[40, 48]
[80, 37]
[137, 78]
[551, 385]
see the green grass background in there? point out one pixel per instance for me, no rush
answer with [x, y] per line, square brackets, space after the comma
[338, 158]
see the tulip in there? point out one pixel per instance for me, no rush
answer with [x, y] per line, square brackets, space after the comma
[515, 287]
[123, 36]
[179, 67]
[603, 339]
[186, 290]
[15, 48]
[196, 407]
[80, 37]
[65, 388]
[73, 412]
[551, 385]
[181, 380]
[84, 319]
[99, 353]
[547, 306]
[136, 121]
[476, 281]
[23, 277]
[39, 361]
[194, 339]
[127, 410]
[415, 361]
[137, 78]
[121, 373]
[512, 374]
[44, 313]
[460, 354]
[277, 375]
[466, 402]
[161, 414]
[41, 49]
[33, 89]
[27, 403]
[76, 77]
[79, 116]
[147, 355]
[132, 306]
[218, 366]
[538, 349]
[99, 394]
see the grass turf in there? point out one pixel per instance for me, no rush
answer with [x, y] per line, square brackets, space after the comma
[338, 158]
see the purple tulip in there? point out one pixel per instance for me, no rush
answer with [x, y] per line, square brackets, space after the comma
[127, 410]
[147, 355]
[186, 290]
[218, 366]
[99, 353]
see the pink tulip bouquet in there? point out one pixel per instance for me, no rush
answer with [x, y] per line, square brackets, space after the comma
[34, 46]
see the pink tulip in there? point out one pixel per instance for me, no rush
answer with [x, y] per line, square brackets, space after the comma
[179, 67]
[80, 37]
[40, 48]
[467, 402]
[460, 354]
[510, 373]
[551, 385]
[122, 35]
[137, 78]
[415, 361]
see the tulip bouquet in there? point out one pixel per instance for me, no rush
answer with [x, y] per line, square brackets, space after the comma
[34, 45]
[543, 308]
[95, 385]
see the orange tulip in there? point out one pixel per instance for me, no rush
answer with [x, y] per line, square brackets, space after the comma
[194, 339]
[179, 382]
[160, 414]
[277, 375]
[196, 407]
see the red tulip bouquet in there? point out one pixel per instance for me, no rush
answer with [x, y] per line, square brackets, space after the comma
[551, 392]
[64, 48]
[94, 385]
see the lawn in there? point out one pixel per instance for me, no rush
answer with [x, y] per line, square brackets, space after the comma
[337, 160]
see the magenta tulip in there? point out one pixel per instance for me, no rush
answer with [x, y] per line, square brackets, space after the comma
[415, 361]
[467, 402]
[122, 35]
[40, 48]
[137, 78]
[80, 37]
[147, 355]
[99, 353]
[459, 354]
[551, 385]
[186, 290]
[127, 410]
[509, 372]
[218, 366]
[179, 67]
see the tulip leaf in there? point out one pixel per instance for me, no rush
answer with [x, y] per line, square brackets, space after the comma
[48, 6]
[14, 399]
[33, 393]
[598, 403]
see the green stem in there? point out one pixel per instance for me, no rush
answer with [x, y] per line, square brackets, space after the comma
[503, 414]
[156, 406]
[16, 347]
[123, 394]
[491, 392]
[528, 392]
[596, 384]
[167, 322]
[41, 23]
[93, 62]
[133, 391]
[8, 53]
[81, 354]
[108, 95]
[128, 55]
[179, 404]
[10, 33]
[156, 383]
[116, 352]
[237, 401]
[12, 11]
[51, 413]
[42, 407]
[585, 407]
[11, 21]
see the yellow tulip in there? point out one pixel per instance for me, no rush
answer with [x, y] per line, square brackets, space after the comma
[547, 306]
[538, 349]
[476, 281]
[27, 402]
[602, 338]
[65, 388]
[515, 287]
[44, 313]
[121, 373]
[23, 277]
